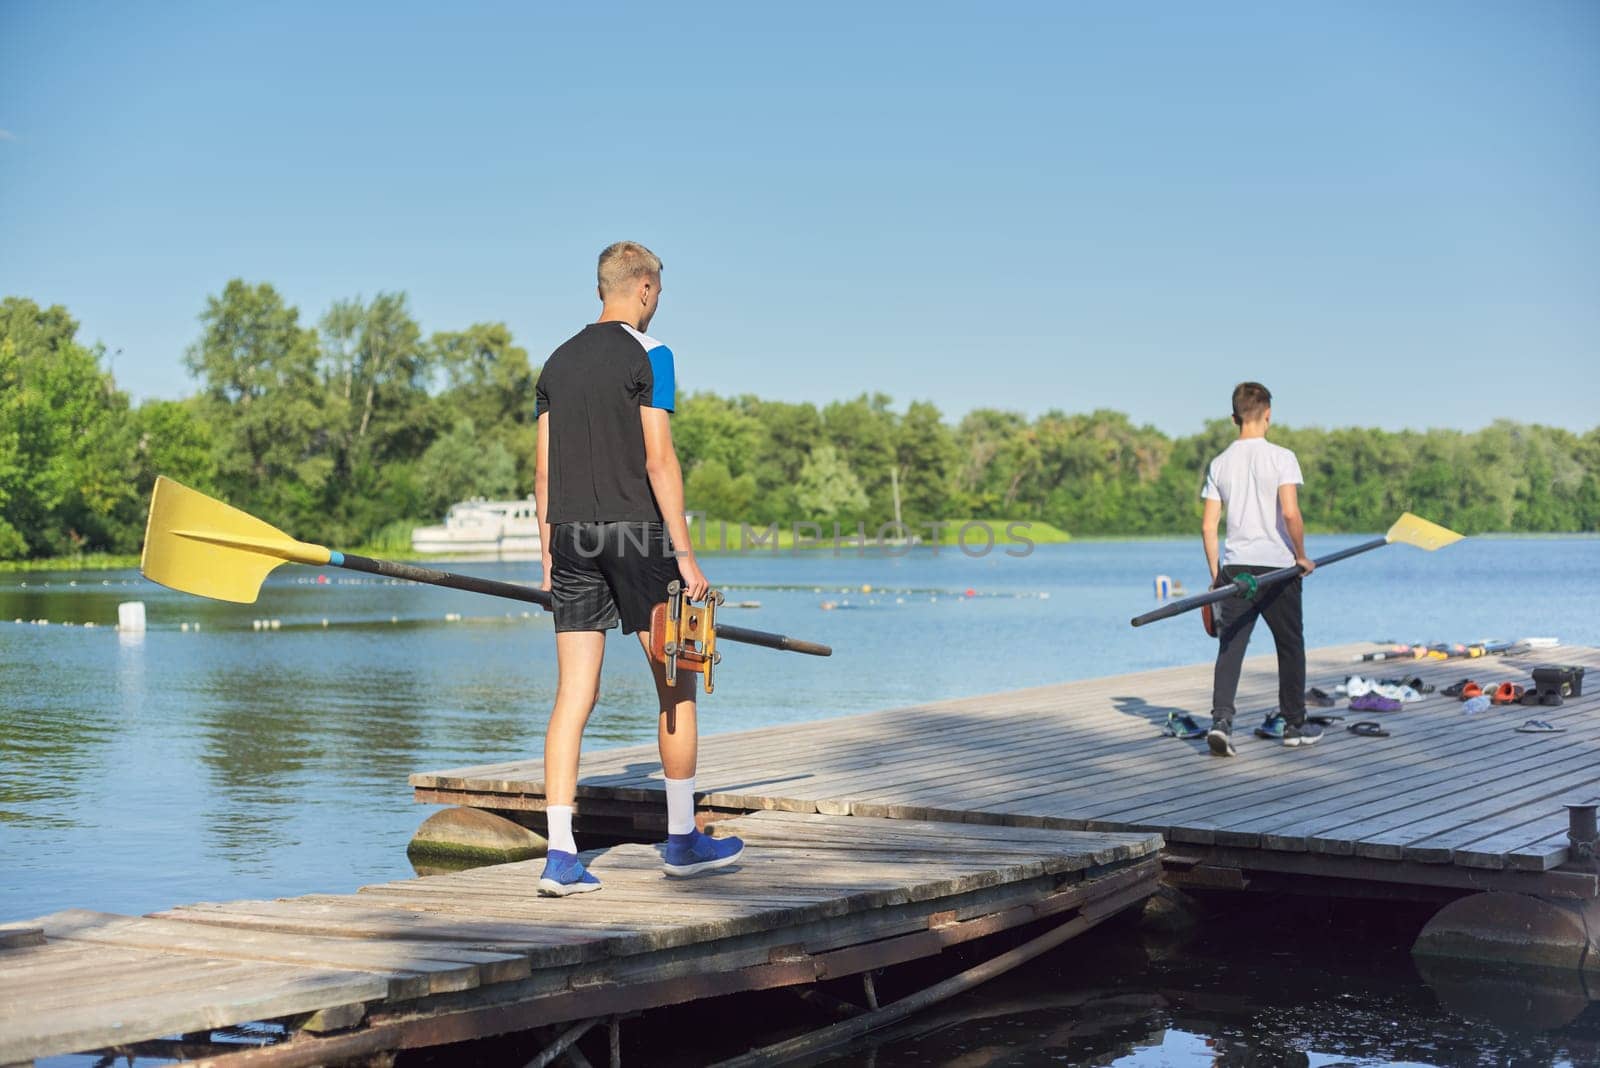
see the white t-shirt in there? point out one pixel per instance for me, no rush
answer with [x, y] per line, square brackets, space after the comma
[1245, 478]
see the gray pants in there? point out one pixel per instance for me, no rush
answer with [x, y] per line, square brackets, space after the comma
[1236, 618]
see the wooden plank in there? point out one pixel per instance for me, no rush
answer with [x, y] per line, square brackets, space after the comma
[413, 968]
[244, 992]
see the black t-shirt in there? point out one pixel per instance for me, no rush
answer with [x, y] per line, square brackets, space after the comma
[593, 387]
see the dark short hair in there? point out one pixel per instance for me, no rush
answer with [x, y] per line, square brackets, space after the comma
[1250, 399]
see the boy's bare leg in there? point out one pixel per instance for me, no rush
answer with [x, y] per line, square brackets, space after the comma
[579, 655]
[687, 851]
[677, 733]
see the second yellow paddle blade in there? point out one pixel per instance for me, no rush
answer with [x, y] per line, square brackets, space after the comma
[1414, 530]
[199, 545]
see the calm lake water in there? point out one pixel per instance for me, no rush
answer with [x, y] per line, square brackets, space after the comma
[217, 762]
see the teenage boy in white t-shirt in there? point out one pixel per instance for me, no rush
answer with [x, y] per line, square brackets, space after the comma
[1257, 483]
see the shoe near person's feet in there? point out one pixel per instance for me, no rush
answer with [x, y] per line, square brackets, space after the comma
[1219, 741]
[565, 875]
[693, 853]
[1306, 735]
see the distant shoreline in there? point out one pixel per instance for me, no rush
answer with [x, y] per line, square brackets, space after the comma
[116, 562]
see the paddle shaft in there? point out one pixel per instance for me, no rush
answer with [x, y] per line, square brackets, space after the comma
[1239, 588]
[511, 590]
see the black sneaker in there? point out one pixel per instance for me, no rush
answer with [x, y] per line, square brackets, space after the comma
[1219, 741]
[1306, 735]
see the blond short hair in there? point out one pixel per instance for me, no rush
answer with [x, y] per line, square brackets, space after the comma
[624, 263]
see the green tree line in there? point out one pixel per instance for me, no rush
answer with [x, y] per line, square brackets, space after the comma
[352, 429]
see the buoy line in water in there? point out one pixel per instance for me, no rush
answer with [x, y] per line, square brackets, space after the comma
[70, 583]
[777, 587]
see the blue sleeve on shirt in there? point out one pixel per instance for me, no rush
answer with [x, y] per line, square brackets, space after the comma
[664, 385]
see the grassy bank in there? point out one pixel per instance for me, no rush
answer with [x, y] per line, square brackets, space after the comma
[83, 562]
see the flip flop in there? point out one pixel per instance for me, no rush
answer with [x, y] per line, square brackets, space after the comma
[1368, 729]
[1323, 719]
[1507, 693]
[1183, 725]
[1319, 698]
[1539, 726]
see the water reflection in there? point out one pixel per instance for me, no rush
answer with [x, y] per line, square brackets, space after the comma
[1260, 983]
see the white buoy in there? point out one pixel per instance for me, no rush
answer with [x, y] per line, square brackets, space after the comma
[184, 627]
[89, 624]
[255, 624]
[130, 616]
[276, 623]
[324, 624]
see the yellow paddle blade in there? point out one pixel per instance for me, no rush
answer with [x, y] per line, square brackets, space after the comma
[199, 545]
[1414, 530]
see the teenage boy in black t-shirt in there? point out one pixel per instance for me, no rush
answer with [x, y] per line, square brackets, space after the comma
[614, 534]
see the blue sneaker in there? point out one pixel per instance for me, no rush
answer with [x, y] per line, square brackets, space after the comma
[564, 874]
[1273, 726]
[693, 853]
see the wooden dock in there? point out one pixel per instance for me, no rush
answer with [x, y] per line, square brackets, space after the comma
[422, 962]
[1448, 804]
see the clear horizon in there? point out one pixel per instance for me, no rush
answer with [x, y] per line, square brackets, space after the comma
[1389, 215]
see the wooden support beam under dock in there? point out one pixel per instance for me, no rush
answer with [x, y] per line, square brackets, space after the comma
[449, 958]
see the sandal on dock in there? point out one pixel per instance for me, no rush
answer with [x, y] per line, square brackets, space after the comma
[1539, 726]
[1183, 725]
[1319, 699]
[1508, 693]
[1368, 729]
[1458, 689]
[1323, 719]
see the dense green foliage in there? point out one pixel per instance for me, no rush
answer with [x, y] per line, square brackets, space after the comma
[348, 431]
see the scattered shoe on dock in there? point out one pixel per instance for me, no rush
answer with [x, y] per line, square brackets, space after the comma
[1184, 725]
[1301, 736]
[1539, 726]
[1317, 698]
[1273, 726]
[1507, 693]
[1368, 728]
[694, 853]
[1371, 702]
[565, 875]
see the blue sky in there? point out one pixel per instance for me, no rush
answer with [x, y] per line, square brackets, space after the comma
[1390, 213]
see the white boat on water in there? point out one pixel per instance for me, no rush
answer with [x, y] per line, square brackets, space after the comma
[481, 526]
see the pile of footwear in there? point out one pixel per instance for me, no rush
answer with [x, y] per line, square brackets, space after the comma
[1383, 695]
[1552, 684]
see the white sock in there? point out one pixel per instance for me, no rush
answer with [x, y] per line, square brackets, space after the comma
[560, 836]
[680, 805]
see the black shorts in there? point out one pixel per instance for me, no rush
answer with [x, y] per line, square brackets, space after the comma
[600, 571]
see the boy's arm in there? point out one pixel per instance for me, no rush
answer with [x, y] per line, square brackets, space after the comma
[541, 491]
[1208, 534]
[1289, 504]
[666, 480]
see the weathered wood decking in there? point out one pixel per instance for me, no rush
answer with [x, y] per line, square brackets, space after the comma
[1447, 801]
[445, 958]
